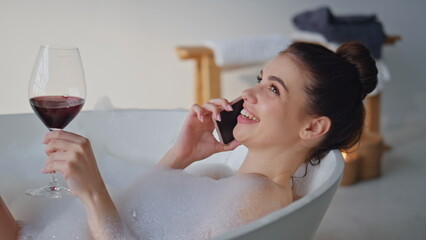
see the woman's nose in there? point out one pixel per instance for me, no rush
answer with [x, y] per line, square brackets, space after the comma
[248, 96]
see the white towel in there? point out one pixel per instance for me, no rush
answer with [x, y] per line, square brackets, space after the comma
[248, 50]
[383, 75]
[103, 103]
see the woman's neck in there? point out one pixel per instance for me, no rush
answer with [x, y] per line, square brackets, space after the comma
[278, 165]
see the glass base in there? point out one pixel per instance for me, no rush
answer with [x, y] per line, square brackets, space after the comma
[49, 191]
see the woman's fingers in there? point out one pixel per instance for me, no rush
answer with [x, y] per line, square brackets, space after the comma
[65, 150]
[215, 109]
[228, 147]
[56, 162]
[65, 141]
[59, 134]
[222, 102]
[65, 162]
[55, 166]
[201, 112]
[217, 105]
[72, 155]
[56, 145]
[232, 145]
[214, 106]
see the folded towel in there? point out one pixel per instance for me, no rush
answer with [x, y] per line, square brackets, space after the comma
[383, 76]
[366, 29]
[248, 50]
[308, 36]
[103, 103]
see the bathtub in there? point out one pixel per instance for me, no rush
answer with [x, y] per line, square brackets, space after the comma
[136, 139]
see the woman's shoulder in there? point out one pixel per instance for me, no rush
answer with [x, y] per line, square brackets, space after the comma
[264, 197]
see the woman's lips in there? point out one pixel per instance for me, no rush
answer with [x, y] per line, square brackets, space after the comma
[245, 120]
[247, 117]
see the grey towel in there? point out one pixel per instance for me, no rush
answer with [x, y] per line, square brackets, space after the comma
[366, 29]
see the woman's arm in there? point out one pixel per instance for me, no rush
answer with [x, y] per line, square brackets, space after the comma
[72, 155]
[102, 216]
[196, 140]
[9, 229]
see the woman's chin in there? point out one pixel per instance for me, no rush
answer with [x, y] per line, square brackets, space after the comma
[240, 136]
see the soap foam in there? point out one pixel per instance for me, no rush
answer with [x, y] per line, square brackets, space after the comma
[172, 204]
[161, 204]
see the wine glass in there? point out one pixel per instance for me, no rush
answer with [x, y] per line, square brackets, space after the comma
[57, 91]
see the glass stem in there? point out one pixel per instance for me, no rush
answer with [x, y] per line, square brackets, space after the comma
[53, 184]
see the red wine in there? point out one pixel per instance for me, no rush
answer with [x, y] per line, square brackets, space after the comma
[56, 111]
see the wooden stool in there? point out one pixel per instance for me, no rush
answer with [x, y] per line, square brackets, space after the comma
[352, 168]
[371, 151]
[207, 73]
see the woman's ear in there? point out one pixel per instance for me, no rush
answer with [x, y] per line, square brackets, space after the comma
[316, 128]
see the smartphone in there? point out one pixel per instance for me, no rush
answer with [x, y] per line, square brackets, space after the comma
[225, 127]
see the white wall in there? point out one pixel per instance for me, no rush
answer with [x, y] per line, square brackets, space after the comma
[127, 46]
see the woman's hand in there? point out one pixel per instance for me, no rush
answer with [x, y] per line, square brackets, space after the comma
[72, 155]
[196, 140]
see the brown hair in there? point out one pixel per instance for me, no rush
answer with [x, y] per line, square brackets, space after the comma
[337, 84]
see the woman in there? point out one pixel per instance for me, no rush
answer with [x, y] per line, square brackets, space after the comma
[307, 102]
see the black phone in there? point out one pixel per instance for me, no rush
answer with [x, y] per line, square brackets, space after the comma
[225, 127]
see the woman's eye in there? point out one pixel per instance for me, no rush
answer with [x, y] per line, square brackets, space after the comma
[274, 89]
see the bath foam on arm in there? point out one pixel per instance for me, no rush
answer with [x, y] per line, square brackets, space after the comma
[172, 204]
[161, 204]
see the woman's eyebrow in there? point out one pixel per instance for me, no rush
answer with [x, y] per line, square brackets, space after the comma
[278, 80]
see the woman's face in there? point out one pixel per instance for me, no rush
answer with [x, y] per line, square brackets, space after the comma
[274, 110]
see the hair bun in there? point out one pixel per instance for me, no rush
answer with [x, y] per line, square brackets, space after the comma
[358, 54]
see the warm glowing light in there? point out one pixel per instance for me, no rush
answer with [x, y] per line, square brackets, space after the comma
[350, 156]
